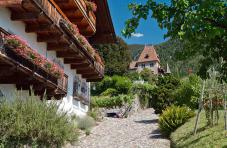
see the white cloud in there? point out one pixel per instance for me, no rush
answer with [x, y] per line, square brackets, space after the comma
[137, 35]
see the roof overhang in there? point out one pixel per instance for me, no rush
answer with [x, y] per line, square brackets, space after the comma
[105, 32]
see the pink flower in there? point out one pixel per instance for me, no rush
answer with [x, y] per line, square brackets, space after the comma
[22, 48]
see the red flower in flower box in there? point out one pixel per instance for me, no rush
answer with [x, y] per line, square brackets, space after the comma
[21, 48]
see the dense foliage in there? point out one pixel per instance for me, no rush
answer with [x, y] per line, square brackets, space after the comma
[188, 92]
[200, 25]
[145, 92]
[28, 121]
[162, 96]
[134, 76]
[121, 84]
[116, 56]
[173, 117]
[111, 102]
[148, 76]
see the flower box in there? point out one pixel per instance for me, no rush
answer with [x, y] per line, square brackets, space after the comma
[21, 51]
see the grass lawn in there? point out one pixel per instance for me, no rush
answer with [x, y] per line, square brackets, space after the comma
[206, 137]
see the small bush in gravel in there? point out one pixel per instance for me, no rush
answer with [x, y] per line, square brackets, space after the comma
[86, 123]
[173, 117]
[88, 132]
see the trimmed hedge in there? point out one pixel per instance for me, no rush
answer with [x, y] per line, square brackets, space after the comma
[110, 102]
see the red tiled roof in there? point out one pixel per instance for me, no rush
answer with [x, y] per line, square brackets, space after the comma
[132, 65]
[148, 54]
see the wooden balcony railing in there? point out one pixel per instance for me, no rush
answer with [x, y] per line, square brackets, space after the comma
[63, 83]
[16, 69]
[44, 18]
[77, 12]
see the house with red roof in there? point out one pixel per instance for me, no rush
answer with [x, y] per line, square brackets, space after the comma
[147, 59]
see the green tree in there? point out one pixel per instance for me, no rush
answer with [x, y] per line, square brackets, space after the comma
[116, 56]
[200, 24]
[148, 75]
[162, 96]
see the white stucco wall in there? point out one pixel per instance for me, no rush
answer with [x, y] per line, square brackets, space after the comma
[18, 28]
[155, 67]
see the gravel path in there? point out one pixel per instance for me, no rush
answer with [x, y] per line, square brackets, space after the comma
[138, 131]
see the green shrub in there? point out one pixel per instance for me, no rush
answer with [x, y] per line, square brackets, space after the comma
[88, 132]
[100, 87]
[94, 113]
[188, 92]
[133, 75]
[110, 102]
[28, 121]
[110, 92]
[86, 123]
[173, 117]
[119, 83]
[144, 92]
[162, 95]
[122, 84]
[148, 76]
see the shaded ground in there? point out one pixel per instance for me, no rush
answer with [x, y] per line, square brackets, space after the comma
[138, 131]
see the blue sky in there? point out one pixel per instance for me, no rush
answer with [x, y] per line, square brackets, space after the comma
[148, 31]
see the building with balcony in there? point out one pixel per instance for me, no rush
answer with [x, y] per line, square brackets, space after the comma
[149, 59]
[46, 46]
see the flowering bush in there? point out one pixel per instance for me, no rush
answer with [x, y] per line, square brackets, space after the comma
[91, 6]
[21, 48]
[82, 40]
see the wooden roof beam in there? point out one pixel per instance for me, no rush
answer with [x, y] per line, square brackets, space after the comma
[50, 38]
[79, 66]
[40, 28]
[73, 60]
[67, 54]
[25, 16]
[93, 75]
[84, 71]
[72, 13]
[57, 47]
[94, 79]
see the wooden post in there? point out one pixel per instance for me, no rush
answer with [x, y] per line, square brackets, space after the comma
[200, 108]
[225, 112]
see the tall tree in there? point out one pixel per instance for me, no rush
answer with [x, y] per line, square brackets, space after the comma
[200, 24]
[116, 56]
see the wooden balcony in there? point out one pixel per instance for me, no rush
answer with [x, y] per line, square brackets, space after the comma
[44, 18]
[16, 69]
[77, 12]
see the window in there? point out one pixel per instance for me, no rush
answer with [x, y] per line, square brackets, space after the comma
[146, 56]
[1, 94]
[84, 88]
[151, 64]
[76, 86]
[143, 65]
